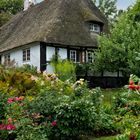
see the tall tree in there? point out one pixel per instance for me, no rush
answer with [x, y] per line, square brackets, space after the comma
[9, 8]
[108, 7]
[119, 49]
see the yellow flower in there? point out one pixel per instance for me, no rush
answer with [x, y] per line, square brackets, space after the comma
[29, 98]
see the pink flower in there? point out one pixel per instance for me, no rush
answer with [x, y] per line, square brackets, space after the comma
[10, 127]
[16, 99]
[21, 98]
[2, 127]
[54, 123]
[10, 120]
[10, 100]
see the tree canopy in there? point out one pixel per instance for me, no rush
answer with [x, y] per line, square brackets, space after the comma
[107, 7]
[119, 49]
[9, 8]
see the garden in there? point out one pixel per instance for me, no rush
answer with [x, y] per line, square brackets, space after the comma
[36, 105]
[43, 106]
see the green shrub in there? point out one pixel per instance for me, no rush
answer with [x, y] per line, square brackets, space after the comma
[28, 68]
[74, 118]
[64, 68]
[32, 133]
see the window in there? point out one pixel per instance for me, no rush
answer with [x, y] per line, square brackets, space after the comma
[90, 57]
[95, 28]
[7, 59]
[26, 54]
[73, 55]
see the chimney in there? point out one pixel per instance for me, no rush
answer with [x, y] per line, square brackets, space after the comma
[28, 3]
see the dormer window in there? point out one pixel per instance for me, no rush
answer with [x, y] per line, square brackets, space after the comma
[95, 28]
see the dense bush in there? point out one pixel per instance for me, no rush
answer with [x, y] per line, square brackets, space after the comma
[126, 109]
[73, 116]
[41, 106]
[38, 105]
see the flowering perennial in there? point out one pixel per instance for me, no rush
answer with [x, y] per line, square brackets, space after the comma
[7, 127]
[54, 123]
[11, 100]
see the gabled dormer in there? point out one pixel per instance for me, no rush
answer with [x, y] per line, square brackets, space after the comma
[95, 27]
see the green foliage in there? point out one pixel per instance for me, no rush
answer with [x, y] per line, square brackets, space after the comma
[2, 106]
[9, 8]
[63, 110]
[28, 68]
[118, 50]
[32, 133]
[74, 118]
[64, 68]
[12, 6]
[127, 109]
[107, 7]
[15, 81]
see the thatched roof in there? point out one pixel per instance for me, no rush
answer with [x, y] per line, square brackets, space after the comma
[52, 21]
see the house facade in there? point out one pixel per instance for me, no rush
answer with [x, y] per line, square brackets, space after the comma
[68, 28]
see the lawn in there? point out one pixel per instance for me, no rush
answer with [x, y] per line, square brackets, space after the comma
[108, 98]
[110, 93]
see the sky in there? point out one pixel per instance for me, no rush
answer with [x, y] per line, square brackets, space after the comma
[124, 4]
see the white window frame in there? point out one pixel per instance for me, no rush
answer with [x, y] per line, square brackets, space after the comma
[7, 58]
[73, 55]
[26, 54]
[90, 56]
[95, 28]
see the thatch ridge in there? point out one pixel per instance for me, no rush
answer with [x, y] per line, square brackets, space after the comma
[52, 21]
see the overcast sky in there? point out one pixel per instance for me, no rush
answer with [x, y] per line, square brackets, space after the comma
[124, 4]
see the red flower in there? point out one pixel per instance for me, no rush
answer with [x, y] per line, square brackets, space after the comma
[54, 123]
[2, 127]
[137, 87]
[131, 83]
[132, 87]
[7, 127]
[10, 127]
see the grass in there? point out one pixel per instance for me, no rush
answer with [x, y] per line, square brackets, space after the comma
[108, 98]
[110, 93]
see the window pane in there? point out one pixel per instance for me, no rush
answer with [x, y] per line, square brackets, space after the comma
[73, 55]
[95, 27]
[90, 56]
[26, 55]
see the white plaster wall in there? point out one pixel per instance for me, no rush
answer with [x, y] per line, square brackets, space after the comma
[50, 51]
[17, 55]
[50, 69]
[62, 53]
